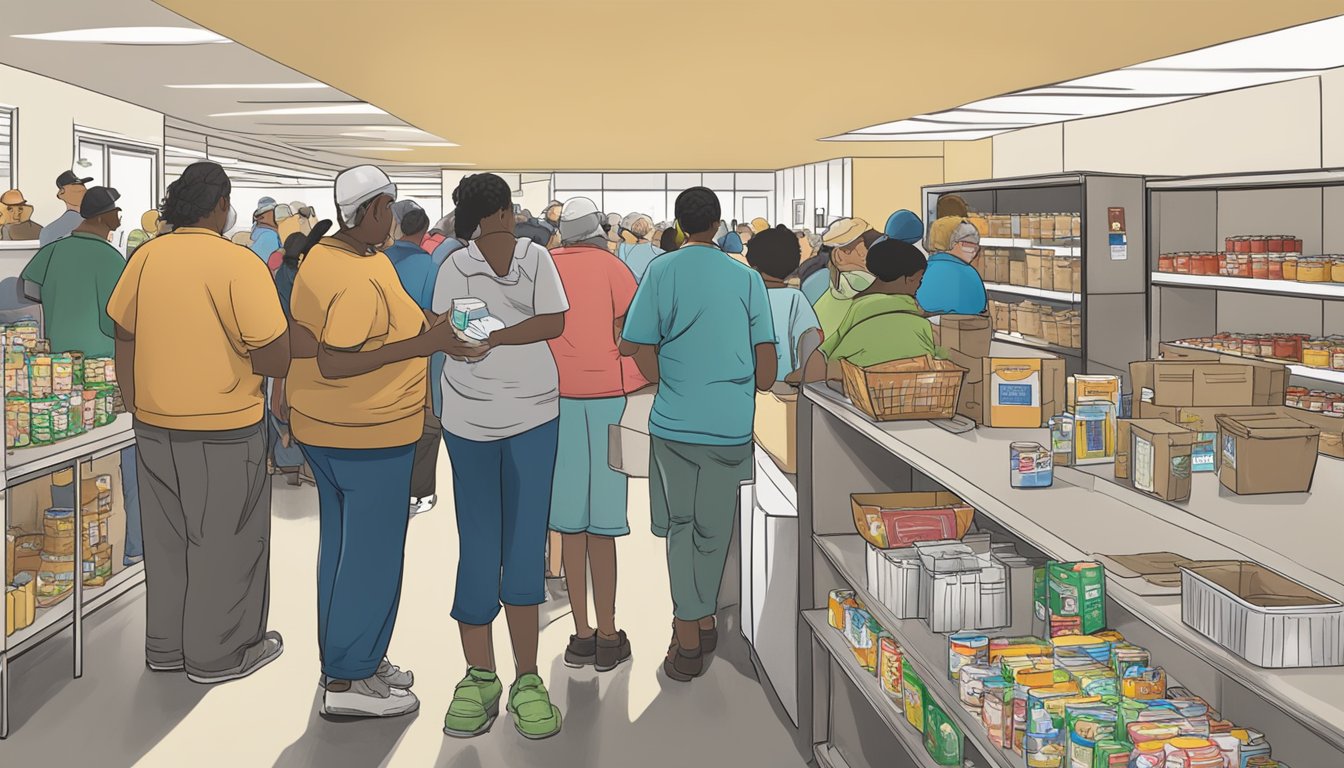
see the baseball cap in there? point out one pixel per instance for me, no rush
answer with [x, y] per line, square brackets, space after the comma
[403, 207]
[577, 208]
[358, 185]
[263, 205]
[99, 200]
[68, 177]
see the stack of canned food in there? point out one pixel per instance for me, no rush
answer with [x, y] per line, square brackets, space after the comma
[1324, 352]
[52, 396]
[1264, 257]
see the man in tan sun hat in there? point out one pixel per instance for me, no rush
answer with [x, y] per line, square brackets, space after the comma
[848, 273]
[18, 218]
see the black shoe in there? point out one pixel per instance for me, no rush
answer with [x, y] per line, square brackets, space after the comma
[582, 651]
[612, 653]
[709, 639]
[684, 667]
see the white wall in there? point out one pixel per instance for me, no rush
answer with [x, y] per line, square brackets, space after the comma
[1284, 126]
[740, 194]
[827, 185]
[48, 111]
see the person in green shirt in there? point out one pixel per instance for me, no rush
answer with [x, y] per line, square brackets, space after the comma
[72, 278]
[884, 322]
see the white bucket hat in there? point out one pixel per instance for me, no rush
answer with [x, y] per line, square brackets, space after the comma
[356, 186]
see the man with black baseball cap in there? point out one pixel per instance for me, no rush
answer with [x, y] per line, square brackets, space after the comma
[69, 190]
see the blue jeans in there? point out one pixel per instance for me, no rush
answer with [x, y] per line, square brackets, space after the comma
[502, 491]
[362, 496]
[130, 499]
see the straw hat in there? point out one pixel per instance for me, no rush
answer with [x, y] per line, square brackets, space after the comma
[843, 232]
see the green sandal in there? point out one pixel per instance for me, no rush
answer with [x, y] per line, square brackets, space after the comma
[534, 715]
[475, 704]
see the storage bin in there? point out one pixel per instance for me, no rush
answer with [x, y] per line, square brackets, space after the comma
[893, 578]
[1262, 616]
[912, 388]
[952, 576]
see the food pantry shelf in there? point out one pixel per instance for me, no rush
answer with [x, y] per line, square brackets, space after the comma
[1039, 293]
[869, 686]
[23, 462]
[1071, 521]
[919, 644]
[1296, 369]
[1252, 285]
[1017, 338]
[44, 620]
[1017, 242]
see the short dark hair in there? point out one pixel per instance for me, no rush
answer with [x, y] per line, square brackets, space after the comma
[668, 243]
[195, 194]
[697, 209]
[894, 259]
[414, 221]
[775, 252]
[477, 196]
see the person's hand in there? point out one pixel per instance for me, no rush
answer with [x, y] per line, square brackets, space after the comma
[445, 338]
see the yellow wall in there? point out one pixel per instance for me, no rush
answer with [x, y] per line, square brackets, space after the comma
[886, 184]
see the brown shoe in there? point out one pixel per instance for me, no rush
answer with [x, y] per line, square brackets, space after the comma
[612, 653]
[682, 666]
[709, 639]
[583, 651]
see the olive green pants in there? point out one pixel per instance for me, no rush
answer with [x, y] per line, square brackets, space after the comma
[693, 493]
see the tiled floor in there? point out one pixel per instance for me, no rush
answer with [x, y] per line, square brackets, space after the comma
[119, 714]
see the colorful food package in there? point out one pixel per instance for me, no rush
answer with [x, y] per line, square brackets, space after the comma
[1077, 598]
[838, 601]
[913, 693]
[996, 714]
[1011, 647]
[889, 667]
[942, 737]
[1144, 683]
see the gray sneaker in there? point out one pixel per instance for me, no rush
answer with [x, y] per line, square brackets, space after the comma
[389, 673]
[254, 658]
[367, 698]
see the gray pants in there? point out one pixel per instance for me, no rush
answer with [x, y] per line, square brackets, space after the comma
[693, 494]
[205, 503]
[426, 457]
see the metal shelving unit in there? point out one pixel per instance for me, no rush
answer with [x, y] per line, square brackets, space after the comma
[1083, 515]
[1113, 299]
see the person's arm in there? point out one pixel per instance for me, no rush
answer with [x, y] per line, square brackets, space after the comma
[272, 360]
[530, 331]
[34, 274]
[343, 363]
[767, 365]
[762, 329]
[645, 357]
[640, 335]
[124, 359]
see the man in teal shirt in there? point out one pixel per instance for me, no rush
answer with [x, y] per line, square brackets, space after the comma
[75, 276]
[700, 325]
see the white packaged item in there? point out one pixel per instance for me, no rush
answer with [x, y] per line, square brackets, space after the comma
[1262, 616]
[472, 318]
[628, 442]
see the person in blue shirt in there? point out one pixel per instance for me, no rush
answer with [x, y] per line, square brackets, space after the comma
[775, 254]
[418, 271]
[639, 254]
[265, 235]
[951, 285]
[699, 325]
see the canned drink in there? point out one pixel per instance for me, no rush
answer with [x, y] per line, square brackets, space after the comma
[1031, 465]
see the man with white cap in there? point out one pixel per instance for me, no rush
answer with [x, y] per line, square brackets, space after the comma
[265, 234]
[588, 498]
[357, 391]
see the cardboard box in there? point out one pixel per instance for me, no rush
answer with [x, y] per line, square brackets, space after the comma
[1271, 379]
[968, 334]
[1017, 272]
[1160, 458]
[1332, 430]
[1040, 269]
[776, 426]
[1029, 320]
[1203, 422]
[898, 520]
[1021, 391]
[1185, 383]
[1077, 596]
[1266, 454]
[1122, 447]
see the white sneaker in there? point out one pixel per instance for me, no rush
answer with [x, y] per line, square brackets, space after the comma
[393, 675]
[419, 506]
[368, 698]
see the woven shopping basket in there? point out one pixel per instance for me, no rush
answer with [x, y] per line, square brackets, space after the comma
[912, 388]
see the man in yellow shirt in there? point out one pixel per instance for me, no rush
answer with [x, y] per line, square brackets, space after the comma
[198, 326]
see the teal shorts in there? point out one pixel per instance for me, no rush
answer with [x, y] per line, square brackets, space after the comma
[587, 495]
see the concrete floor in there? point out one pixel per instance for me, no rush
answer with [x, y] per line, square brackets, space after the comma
[120, 714]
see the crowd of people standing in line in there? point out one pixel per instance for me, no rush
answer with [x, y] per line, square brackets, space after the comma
[341, 352]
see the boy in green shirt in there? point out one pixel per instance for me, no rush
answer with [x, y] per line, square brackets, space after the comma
[884, 322]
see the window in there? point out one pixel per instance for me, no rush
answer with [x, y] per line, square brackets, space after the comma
[8, 177]
[131, 169]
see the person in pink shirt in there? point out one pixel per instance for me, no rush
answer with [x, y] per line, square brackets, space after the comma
[588, 498]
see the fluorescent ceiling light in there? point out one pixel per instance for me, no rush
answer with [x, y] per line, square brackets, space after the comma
[367, 149]
[223, 160]
[359, 108]
[182, 151]
[132, 36]
[926, 136]
[1308, 46]
[1170, 82]
[250, 86]
[1074, 105]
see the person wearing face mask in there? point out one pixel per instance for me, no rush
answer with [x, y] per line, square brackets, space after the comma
[357, 393]
[951, 285]
[200, 425]
[847, 272]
